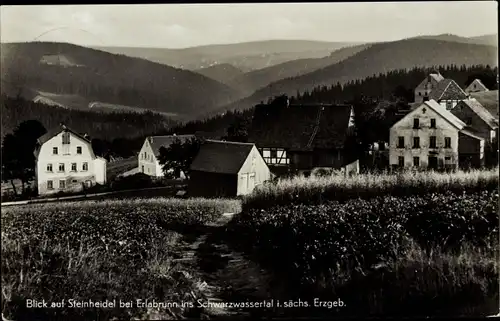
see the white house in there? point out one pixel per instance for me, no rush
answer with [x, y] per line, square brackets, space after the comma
[65, 162]
[476, 86]
[445, 91]
[429, 137]
[227, 169]
[148, 156]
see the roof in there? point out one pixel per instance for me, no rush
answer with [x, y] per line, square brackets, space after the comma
[471, 132]
[448, 89]
[482, 112]
[440, 110]
[165, 141]
[489, 100]
[434, 77]
[54, 132]
[221, 157]
[300, 127]
[479, 85]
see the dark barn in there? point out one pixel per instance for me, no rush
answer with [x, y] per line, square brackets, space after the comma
[303, 137]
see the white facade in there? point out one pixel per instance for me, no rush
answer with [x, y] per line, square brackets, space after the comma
[427, 134]
[67, 163]
[149, 163]
[253, 173]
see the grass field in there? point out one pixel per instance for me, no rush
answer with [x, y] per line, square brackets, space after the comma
[411, 244]
[123, 249]
[315, 190]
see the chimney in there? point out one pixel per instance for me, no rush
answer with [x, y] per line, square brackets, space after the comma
[86, 136]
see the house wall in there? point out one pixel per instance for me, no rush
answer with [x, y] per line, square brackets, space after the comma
[449, 104]
[275, 156]
[67, 155]
[404, 128]
[471, 151]
[220, 185]
[253, 172]
[147, 161]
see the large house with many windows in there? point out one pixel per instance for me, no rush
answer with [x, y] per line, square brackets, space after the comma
[65, 162]
[431, 137]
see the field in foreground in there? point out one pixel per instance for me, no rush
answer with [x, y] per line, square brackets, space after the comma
[427, 255]
[433, 253]
[123, 250]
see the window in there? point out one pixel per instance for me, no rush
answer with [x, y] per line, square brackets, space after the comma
[54, 151]
[62, 184]
[433, 122]
[61, 167]
[49, 167]
[447, 159]
[50, 185]
[73, 167]
[85, 166]
[74, 181]
[65, 138]
[447, 142]
[416, 161]
[449, 104]
[493, 135]
[401, 161]
[419, 93]
[78, 149]
[401, 142]
[416, 142]
[468, 121]
[432, 143]
[142, 169]
[274, 153]
[416, 123]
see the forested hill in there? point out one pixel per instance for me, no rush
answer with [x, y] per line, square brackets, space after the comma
[62, 68]
[378, 59]
[395, 85]
[106, 126]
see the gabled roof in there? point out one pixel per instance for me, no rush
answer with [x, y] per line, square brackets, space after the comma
[165, 141]
[221, 157]
[448, 89]
[434, 78]
[300, 127]
[54, 132]
[479, 86]
[438, 109]
[489, 100]
[482, 112]
[471, 132]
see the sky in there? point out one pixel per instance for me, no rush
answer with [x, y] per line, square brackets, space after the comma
[188, 25]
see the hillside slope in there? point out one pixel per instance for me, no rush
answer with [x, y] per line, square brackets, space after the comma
[223, 73]
[378, 58]
[489, 40]
[251, 81]
[245, 56]
[113, 79]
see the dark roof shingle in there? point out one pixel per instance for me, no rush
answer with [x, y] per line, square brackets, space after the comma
[300, 127]
[55, 131]
[448, 89]
[482, 112]
[221, 157]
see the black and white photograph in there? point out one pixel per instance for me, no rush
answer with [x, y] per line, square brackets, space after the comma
[207, 161]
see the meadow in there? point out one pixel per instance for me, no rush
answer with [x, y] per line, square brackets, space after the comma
[406, 244]
[119, 249]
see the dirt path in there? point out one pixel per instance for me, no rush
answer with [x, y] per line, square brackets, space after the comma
[227, 276]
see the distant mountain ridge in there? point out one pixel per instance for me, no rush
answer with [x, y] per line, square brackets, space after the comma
[246, 56]
[375, 59]
[108, 78]
[223, 73]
